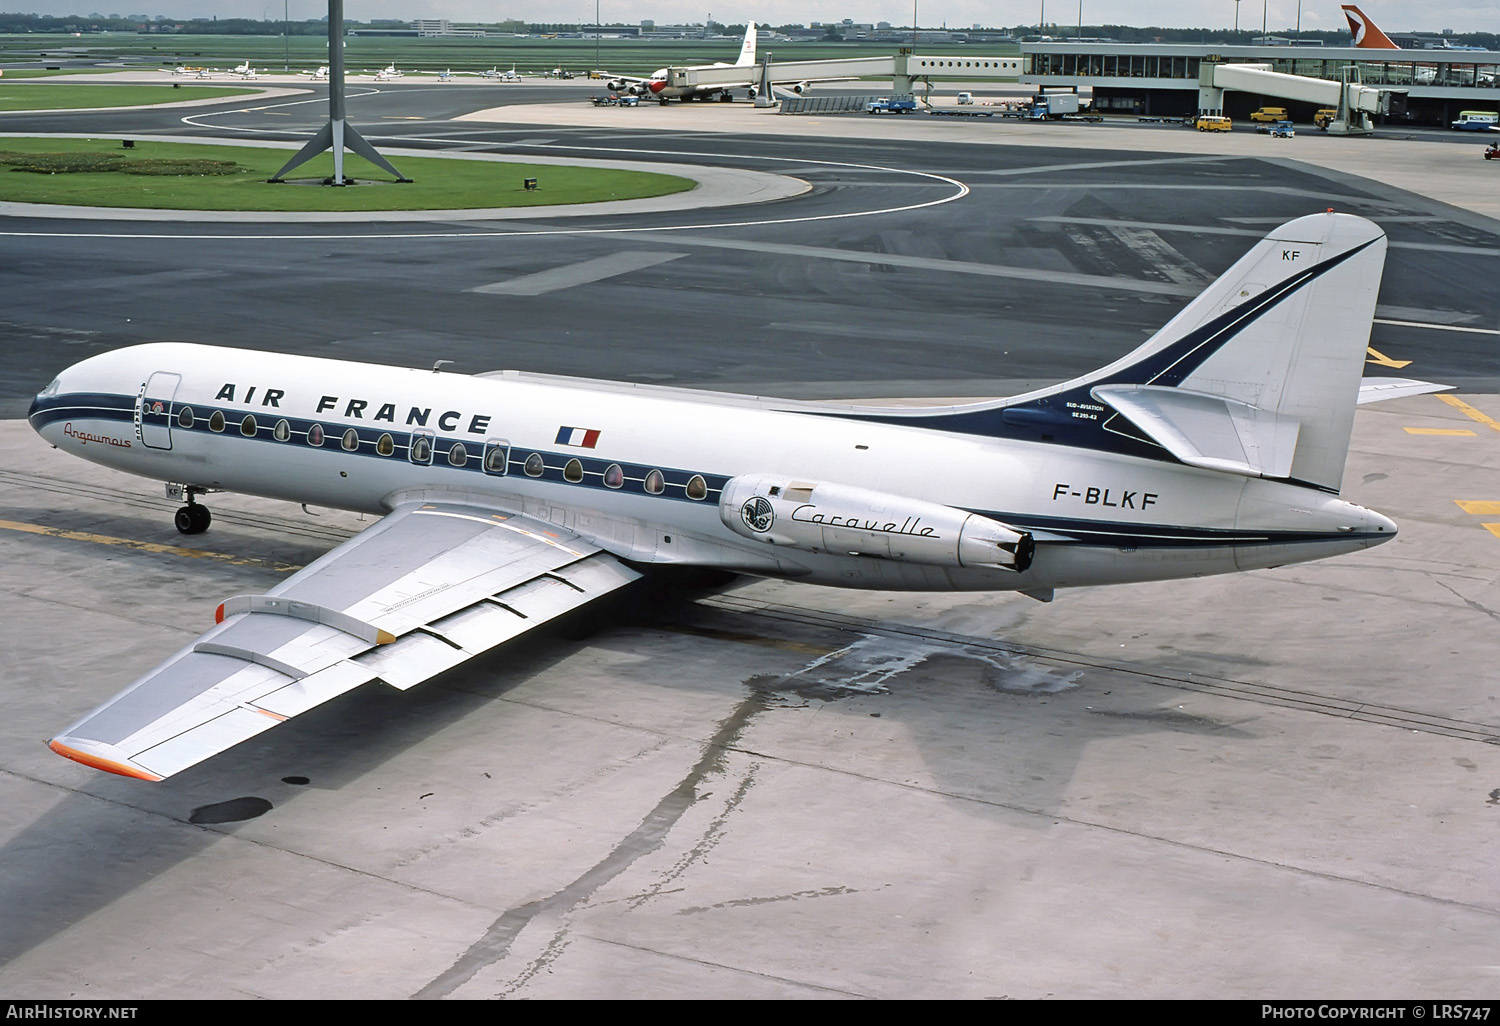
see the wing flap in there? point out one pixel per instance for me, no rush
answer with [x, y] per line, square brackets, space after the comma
[422, 591]
[193, 746]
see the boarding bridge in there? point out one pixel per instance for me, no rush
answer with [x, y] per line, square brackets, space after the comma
[1353, 101]
[903, 69]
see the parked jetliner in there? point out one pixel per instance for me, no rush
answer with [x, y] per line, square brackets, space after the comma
[1365, 32]
[657, 85]
[508, 499]
[1368, 35]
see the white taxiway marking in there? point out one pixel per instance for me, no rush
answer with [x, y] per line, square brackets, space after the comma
[1437, 327]
[581, 273]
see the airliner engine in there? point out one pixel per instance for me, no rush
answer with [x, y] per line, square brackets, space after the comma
[844, 519]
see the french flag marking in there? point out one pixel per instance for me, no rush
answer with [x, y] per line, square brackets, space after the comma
[583, 438]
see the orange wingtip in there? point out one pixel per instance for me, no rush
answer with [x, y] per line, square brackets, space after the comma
[107, 765]
[383, 637]
[219, 614]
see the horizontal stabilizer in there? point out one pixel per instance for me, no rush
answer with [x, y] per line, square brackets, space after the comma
[1208, 431]
[1374, 390]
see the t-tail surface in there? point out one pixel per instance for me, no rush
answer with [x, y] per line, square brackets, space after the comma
[508, 499]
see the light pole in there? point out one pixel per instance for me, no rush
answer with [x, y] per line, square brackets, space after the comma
[1264, 4]
[1236, 15]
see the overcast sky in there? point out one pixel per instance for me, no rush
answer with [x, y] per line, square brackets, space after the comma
[1397, 15]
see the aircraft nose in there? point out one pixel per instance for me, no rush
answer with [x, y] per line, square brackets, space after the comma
[41, 403]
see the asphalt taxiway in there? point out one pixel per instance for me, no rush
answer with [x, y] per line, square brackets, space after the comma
[1268, 785]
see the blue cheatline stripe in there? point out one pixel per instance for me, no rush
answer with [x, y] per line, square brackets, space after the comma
[121, 409]
[1092, 533]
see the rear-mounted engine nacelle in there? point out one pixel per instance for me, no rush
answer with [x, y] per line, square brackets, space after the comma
[849, 521]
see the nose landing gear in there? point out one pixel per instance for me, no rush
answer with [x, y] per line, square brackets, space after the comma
[192, 518]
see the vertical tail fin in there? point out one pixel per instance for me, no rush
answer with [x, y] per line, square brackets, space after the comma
[1366, 33]
[1261, 373]
[747, 49]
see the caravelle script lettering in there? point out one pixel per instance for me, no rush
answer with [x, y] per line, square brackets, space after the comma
[810, 514]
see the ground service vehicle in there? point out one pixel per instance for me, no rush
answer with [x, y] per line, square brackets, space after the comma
[1053, 106]
[1269, 114]
[1213, 123]
[1492, 152]
[1476, 120]
[1323, 117]
[889, 106]
[965, 98]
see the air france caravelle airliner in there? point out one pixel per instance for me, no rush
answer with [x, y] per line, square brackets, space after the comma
[509, 499]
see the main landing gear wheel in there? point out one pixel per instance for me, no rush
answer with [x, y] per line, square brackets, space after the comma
[192, 519]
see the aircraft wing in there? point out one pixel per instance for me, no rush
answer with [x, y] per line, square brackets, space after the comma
[425, 589]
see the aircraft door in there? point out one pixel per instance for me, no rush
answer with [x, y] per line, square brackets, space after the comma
[154, 409]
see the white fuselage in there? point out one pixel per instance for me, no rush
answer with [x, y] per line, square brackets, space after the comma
[245, 421]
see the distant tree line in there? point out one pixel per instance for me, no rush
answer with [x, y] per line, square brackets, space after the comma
[23, 23]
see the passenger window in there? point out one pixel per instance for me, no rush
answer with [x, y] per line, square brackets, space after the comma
[697, 488]
[247, 426]
[315, 435]
[458, 455]
[351, 440]
[216, 422]
[614, 477]
[496, 456]
[421, 447]
[185, 417]
[386, 445]
[655, 483]
[573, 471]
[535, 465]
[282, 431]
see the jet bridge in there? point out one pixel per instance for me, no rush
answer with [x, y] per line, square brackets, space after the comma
[1353, 101]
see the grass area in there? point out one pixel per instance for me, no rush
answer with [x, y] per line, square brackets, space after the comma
[270, 54]
[40, 96]
[182, 176]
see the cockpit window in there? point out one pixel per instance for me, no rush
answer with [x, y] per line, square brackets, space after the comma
[52, 388]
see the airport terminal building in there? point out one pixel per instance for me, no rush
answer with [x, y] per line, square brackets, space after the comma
[1163, 79]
